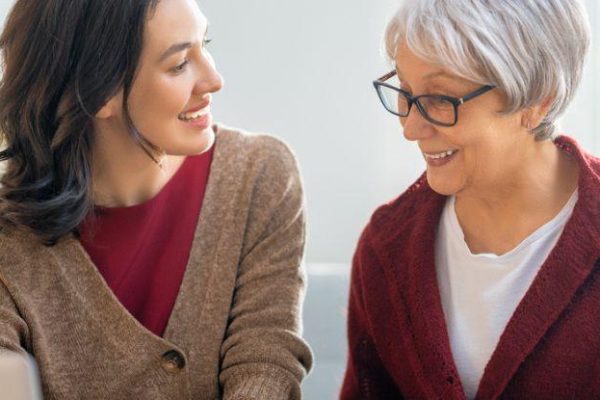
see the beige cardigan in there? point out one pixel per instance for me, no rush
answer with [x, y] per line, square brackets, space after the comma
[235, 328]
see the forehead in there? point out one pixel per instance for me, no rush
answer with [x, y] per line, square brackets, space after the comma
[174, 21]
[411, 67]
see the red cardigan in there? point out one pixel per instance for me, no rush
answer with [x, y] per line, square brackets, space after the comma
[398, 342]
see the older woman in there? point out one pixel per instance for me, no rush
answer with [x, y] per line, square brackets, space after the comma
[145, 253]
[482, 280]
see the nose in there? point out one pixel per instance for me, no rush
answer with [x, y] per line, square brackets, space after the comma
[415, 127]
[209, 80]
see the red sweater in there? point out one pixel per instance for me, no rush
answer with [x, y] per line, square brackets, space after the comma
[142, 251]
[398, 342]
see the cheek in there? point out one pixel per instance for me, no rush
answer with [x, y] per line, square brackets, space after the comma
[158, 99]
[489, 142]
[476, 148]
[488, 156]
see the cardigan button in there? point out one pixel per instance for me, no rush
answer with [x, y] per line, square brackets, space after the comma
[173, 361]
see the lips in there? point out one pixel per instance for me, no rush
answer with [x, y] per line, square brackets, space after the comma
[190, 116]
[440, 158]
[439, 155]
[195, 112]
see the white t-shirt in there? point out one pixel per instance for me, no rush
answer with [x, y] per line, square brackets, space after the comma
[480, 292]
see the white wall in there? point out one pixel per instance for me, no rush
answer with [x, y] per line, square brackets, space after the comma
[302, 70]
[4, 6]
[582, 119]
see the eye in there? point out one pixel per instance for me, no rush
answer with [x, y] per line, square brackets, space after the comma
[181, 67]
[206, 41]
[437, 101]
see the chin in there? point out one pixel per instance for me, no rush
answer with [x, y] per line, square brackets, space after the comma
[208, 141]
[200, 144]
[443, 191]
[443, 186]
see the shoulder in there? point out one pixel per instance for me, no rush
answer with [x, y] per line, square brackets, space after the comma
[257, 174]
[572, 148]
[413, 205]
[396, 231]
[589, 166]
[20, 253]
[257, 159]
[232, 142]
[395, 235]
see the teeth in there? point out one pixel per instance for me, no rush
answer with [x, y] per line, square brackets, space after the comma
[193, 115]
[440, 155]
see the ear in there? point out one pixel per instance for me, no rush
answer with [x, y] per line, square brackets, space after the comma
[533, 116]
[112, 107]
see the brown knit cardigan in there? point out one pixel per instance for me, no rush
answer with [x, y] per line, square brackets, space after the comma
[234, 332]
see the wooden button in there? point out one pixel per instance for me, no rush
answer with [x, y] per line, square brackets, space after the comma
[173, 361]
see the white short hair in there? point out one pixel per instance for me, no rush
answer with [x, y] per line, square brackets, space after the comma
[531, 50]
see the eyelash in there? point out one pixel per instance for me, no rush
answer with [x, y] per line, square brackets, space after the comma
[181, 67]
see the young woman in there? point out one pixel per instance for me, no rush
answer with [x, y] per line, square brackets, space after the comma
[145, 253]
[482, 280]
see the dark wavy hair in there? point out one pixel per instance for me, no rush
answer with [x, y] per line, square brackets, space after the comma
[62, 61]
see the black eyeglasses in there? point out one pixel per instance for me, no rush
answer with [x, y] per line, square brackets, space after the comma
[437, 109]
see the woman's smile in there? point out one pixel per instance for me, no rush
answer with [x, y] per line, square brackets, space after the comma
[199, 120]
[440, 158]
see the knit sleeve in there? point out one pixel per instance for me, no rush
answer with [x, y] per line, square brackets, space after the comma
[264, 356]
[366, 377]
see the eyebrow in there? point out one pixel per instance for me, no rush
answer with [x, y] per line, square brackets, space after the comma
[431, 75]
[441, 74]
[177, 47]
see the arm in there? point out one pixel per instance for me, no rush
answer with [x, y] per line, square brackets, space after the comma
[366, 377]
[264, 356]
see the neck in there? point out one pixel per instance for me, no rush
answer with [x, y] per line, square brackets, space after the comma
[497, 218]
[123, 174]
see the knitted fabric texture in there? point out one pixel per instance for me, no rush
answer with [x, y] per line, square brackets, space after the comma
[234, 332]
[398, 342]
